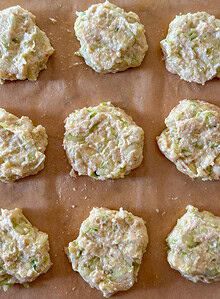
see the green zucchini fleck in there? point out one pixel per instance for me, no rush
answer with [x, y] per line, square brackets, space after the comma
[34, 264]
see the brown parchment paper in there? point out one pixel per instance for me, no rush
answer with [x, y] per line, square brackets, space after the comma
[147, 94]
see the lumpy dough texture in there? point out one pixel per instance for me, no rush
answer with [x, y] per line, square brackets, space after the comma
[24, 48]
[22, 147]
[192, 139]
[103, 142]
[194, 246]
[109, 249]
[192, 47]
[111, 39]
[23, 249]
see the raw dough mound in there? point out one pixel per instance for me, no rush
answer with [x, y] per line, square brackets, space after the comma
[103, 142]
[24, 48]
[111, 39]
[192, 47]
[194, 246]
[23, 249]
[109, 249]
[192, 139]
[21, 147]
